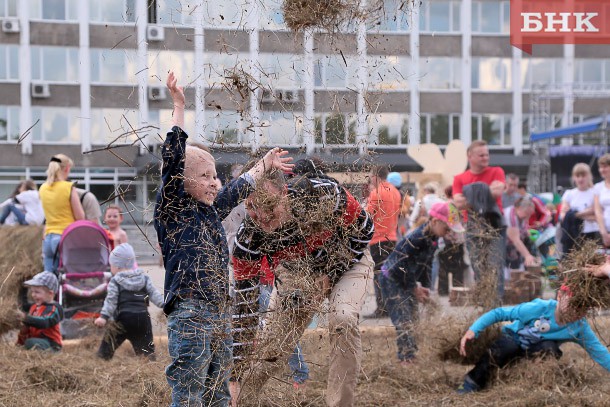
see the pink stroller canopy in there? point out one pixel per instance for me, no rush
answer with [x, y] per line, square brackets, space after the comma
[84, 247]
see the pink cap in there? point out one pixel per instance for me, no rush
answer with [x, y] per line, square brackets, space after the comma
[449, 214]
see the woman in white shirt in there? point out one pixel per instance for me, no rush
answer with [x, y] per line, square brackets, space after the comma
[581, 200]
[24, 205]
[602, 199]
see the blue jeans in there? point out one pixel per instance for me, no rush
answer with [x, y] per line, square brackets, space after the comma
[199, 342]
[40, 344]
[296, 362]
[12, 208]
[402, 308]
[50, 260]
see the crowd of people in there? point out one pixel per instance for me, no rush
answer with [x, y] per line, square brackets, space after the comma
[254, 260]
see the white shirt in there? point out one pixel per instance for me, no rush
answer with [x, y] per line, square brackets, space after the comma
[34, 214]
[580, 201]
[603, 193]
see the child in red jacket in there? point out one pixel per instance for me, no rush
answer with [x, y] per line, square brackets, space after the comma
[41, 324]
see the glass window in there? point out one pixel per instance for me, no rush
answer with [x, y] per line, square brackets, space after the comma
[54, 64]
[164, 120]
[112, 11]
[113, 126]
[589, 71]
[439, 129]
[271, 17]
[439, 16]
[334, 71]
[113, 66]
[493, 128]
[9, 62]
[9, 123]
[388, 72]
[161, 62]
[455, 127]
[8, 8]
[176, 12]
[281, 128]
[491, 74]
[490, 17]
[224, 127]
[219, 65]
[56, 125]
[394, 17]
[388, 128]
[280, 70]
[541, 71]
[439, 73]
[222, 13]
[54, 9]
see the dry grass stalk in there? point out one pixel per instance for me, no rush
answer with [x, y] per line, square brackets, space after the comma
[587, 291]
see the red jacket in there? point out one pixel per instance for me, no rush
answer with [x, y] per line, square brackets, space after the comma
[42, 321]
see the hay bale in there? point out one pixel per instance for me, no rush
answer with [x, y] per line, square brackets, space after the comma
[587, 291]
[446, 342]
[20, 259]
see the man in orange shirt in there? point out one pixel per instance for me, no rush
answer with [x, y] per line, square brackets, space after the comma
[383, 205]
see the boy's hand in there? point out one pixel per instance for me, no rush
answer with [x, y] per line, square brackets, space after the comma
[602, 271]
[20, 315]
[469, 335]
[275, 158]
[422, 294]
[100, 322]
[176, 92]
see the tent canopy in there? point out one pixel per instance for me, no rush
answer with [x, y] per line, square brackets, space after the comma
[586, 126]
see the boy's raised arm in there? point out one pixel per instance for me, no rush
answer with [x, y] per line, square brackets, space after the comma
[177, 94]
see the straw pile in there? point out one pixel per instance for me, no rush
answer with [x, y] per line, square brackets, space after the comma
[587, 291]
[20, 259]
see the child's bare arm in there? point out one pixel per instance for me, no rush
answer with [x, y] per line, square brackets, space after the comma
[177, 94]
[276, 158]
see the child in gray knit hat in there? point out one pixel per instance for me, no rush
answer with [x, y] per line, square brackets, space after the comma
[129, 292]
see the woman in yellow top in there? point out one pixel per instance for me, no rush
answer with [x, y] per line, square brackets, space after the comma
[61, 207]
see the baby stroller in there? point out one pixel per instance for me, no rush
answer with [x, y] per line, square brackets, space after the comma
[544, 241]
[84, 274]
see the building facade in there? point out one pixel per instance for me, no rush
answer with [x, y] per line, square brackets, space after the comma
[86, 78]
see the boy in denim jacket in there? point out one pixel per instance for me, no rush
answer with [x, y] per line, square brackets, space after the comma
[188, 216]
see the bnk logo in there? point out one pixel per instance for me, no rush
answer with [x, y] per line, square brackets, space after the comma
[559, 22]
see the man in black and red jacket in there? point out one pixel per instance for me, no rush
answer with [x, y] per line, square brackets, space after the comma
[309, 229]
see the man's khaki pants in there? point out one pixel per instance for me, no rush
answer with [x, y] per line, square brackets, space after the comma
[287, 321]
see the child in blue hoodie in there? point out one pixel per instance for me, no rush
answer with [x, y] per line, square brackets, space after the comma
[538, 327]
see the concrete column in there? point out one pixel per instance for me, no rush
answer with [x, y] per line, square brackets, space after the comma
[84, 75]
[142, 64]
[199, 74]
[516, 127]
[309, 138]
[414, 112]
[361, 123]
[25, 77]
[466, 28]
[252, 27]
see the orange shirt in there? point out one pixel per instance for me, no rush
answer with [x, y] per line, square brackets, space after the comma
[384, 206]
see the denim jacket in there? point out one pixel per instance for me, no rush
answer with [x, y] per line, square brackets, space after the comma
[190, 233]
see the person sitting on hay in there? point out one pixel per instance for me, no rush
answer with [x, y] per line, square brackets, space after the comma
[410, 263]
[315, 235]
[538, 328]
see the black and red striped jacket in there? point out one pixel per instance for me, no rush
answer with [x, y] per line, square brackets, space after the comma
[43, 321]
[346, 228]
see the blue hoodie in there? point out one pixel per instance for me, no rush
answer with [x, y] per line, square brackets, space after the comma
[534, 322]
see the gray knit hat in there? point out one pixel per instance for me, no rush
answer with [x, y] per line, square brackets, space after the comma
[123, 256]
[44, 279]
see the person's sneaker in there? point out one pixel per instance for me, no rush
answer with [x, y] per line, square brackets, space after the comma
[469, 386]
[378, 314]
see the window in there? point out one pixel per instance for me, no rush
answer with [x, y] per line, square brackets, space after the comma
[491, 74]
[175, 12]
[388, 72]
[439, 129]
[439, 16]
[61, 10]
[335, 129]
[395, 17]
[9, 62]
[8, 8]
[54, 64]
[56, 125]
[225, 127]
[439, 73]
[9, 123]
[161, 62]
[115, 66]
[282, 128]
[541, 71]
[592, 71]
[388, 129]
[493, 128]
[280, 70]
[490, 17]
[270, 15]
[164, 120]
[218, 66]
[112, 11]
[113, 126]
[333, 71]
[222, 13]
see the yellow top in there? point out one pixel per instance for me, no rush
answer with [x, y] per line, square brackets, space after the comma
[55, 200]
